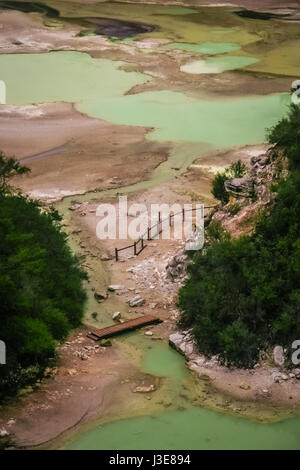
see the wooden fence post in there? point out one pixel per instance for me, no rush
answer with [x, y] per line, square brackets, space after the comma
[134, 248]
[149, 233]
[116, 254]
[183, 214]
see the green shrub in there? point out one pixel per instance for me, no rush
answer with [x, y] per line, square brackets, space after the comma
[243, 296]
[41, 291]
[236, 170]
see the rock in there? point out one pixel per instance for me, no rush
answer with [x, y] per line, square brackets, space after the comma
[136, 301]
[114, 287]
[244, 386]
[183, 343]
[260, 160]
[148, 333]
[176, 266]
[100, 295]
[106, 257]
[278, 356]
[240, 187]
[144, 389]
[74, 207]
[11, 422]
[116, 316]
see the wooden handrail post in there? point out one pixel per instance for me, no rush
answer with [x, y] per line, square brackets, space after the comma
[116, 254]
[142, 242]
[149, 233]
[170, 220]
[134, 248]
[183, 214]
[159, 216]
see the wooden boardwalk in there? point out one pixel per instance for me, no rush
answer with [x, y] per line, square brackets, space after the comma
[96, 334]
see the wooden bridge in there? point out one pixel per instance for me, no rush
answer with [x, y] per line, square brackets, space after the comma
[96, 334]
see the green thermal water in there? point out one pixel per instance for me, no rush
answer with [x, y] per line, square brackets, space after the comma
[64, 76]
[217, 64]
[209, 48]
[176, 11]
[184, 426]
[191, 428]
[177, 117]
[97, 86]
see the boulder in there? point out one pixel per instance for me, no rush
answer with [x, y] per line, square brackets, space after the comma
[114, 287]
[183, 343]
[245, 386]
[100, 295]
[116, 316]
[260, 160]
[278, 356]
[240, 187]
[176, 267]
[144, 389]
[136, 301]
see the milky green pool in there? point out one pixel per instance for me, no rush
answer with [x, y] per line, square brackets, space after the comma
[192, 428]
[217, 64]
[97, 86]
[209, 48]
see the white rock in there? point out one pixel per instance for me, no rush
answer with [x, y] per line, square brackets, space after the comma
[116, 316]
[278, 355]
[136, 301]
[114, 287]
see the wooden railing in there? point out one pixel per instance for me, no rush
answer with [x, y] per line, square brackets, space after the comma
[139, 244]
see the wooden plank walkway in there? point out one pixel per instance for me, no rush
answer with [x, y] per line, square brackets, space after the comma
[96, 334]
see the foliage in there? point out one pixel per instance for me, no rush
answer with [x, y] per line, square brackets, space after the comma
[41, 293]
[9, 167]
[243, 296]
[236, 170]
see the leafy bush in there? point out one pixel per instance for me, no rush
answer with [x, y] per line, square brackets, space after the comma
[236, 170]
[243, 296]
[218, 187]
[41, 292]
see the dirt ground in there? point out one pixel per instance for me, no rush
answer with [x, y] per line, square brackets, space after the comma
[70, 153]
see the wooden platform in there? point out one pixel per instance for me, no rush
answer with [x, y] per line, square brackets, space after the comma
[96, 334]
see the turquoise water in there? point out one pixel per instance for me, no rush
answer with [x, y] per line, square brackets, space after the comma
[97, 86]
[177, 11]
[177, 117]
[206, 47]
[192, 428]
[217, 64]
[64, 76]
